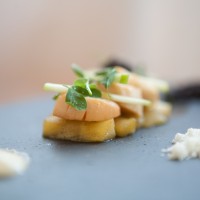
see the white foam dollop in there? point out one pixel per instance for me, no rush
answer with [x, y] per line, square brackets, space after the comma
[12, 162]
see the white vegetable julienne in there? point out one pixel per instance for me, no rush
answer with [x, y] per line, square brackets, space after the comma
[54, 87]
[12, 162]
[185, 145]
[129, 100]
[118, 98]
[162, 85]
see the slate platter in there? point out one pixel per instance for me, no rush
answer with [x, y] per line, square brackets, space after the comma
[129, 168]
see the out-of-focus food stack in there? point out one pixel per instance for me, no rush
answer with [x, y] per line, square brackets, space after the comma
[104, 104]
[158, 111]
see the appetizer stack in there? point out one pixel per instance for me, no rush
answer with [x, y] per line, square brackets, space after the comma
[104, 104]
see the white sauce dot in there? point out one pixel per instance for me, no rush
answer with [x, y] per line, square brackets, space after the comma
[12, 162]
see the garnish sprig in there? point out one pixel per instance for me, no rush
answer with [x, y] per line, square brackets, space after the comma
[76, 93]
[110, 75]
[78, 71]
[118, 98]
[105, 77]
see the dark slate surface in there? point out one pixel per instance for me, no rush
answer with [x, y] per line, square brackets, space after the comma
[128, 168]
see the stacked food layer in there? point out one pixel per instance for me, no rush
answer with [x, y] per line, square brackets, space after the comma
[104, 104]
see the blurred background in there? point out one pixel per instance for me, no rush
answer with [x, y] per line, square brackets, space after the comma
[39, 39]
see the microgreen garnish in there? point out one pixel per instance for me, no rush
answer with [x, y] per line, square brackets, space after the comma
[75, 98]
[96, 93]
[84, 83]
[55, 97]
[86, 87]
[107, 76]
[77, 70]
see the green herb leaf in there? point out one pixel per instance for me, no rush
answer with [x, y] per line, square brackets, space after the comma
[55, 97]
[77, 70]
[84, 83]
[108, 76]
[103, 72]
[80, 90]
[80, 82]
[96, 93]
[76, 99]
[93, 86]
[76, 96]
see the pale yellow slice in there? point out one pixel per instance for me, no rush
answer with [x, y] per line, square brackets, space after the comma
[125, 126]
[157, 115]
[80, 131]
